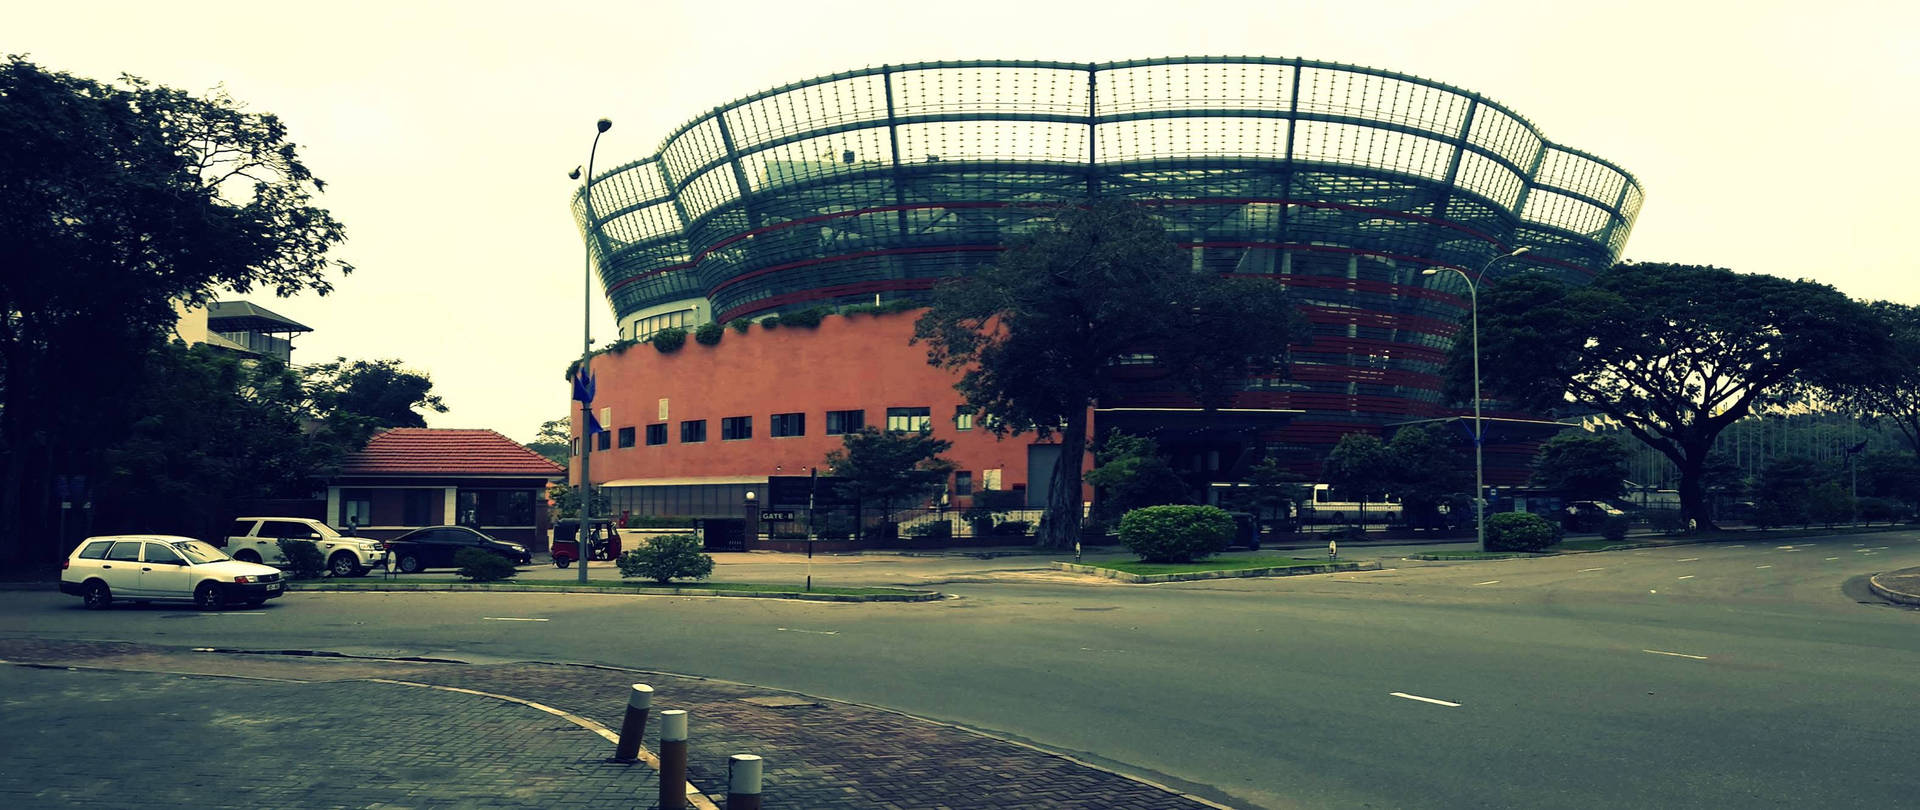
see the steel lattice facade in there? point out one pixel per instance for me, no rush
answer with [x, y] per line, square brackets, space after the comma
[1341, 182]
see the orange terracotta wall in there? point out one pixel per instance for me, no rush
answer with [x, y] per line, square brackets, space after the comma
[860, 362]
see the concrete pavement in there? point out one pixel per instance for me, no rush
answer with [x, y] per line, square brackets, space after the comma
[137, 726]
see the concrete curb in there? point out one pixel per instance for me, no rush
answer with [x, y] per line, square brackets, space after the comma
[1891, 594]
[1492, 555]
[1290, 571]
[918, 596]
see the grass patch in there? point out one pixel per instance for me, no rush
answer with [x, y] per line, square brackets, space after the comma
[1216, 564]
[1473, 555]
[627, 585]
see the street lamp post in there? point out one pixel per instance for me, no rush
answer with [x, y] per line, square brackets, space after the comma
[1479, 427]
[586, 351]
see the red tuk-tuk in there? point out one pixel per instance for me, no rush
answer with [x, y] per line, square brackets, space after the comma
[603, 543]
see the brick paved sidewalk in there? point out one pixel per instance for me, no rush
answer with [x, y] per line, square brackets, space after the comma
[119, 739]
[432, 748]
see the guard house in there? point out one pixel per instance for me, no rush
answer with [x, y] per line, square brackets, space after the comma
[407, 478]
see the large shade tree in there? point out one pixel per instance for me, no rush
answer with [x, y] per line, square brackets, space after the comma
[117, 202]
[1581, 465]
[1674, 353]
[1889, 390]
[1038, 335]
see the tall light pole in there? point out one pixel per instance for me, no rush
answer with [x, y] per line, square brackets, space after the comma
[1479, 427]
[586, 355]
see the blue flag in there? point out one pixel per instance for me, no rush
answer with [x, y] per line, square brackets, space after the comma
[583, 386]
[593, 423]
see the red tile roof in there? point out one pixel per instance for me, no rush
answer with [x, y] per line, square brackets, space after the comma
[440, 451]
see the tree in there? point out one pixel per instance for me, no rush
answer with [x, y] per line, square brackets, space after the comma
[116, 202]
[1360, 466]
[890, 468]
[1581, 466]
[1674, 353]
[1890, 475]
[1037, 336]
[1890, 390]
[1131, 474]
[566, 501]
[375, 394]
[1425, 469]
[554, 442]
[1785, 491]
[1270, 490]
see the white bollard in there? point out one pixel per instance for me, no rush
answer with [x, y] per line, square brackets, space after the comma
[673, 759]
[743, 782]
[633, 728]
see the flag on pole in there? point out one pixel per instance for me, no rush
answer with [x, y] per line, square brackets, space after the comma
[583, 390]
[583, 387]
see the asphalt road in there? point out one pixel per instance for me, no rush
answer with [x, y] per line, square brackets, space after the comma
[1721, 675]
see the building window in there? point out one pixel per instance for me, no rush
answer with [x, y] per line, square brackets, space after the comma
[736, 427]
[963, 483]
[417, 506]
[910, 419]
[495, 507]
[839, 422]
[656, 434]
[788, 424]
[602, 440]
[356, 507]
[693, 430]
[626, 437]
[962, 417]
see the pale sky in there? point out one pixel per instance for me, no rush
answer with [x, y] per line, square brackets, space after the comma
[1772, 137]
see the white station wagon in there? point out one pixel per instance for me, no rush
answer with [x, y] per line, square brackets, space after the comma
[158, 567]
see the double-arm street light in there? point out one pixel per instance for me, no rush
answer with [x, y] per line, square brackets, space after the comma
[580, 535]
[1479, 427]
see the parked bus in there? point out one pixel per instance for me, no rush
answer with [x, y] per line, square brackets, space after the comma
[1332, 505]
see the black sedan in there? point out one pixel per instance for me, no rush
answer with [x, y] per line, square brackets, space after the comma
[434, 547]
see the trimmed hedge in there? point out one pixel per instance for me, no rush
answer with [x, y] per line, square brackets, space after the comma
[1519, 531]
[1176, 533]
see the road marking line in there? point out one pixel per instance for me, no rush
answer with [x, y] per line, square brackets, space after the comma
[1689, 559]
[1742, 545]
[1601, 568]
[1677, 655]
[1689, 576]
[814, 632]
[1785, 547]
[1833, 558]
[1488, 582]
[511, 619]
[1763, 566]
[1424, 699]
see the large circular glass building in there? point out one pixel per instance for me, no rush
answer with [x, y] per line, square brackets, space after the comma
[1343, 183]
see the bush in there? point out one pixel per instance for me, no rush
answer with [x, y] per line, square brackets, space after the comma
[709, 333]
[740, 325]
[1012, 528]
[1176, 533]
[937, 529]
[808, 318]
[1518, 531]
[669, 339]
[620, 346]
[1614, 528]
[482, 566]
[301, 559]
[1666, 521]
[770, 322]
[666, 558]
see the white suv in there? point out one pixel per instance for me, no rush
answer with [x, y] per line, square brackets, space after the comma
[155, 567]
[257, 539]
